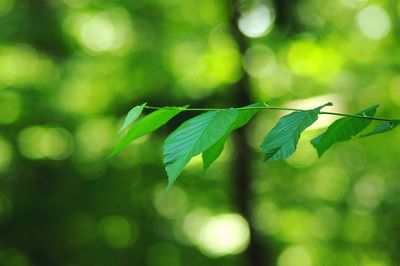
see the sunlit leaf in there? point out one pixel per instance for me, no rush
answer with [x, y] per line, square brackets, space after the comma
[243, 117]
[193, 137]
[281, 141]
[382, 128]
[133, 114]
[342, 130]
[146, 125]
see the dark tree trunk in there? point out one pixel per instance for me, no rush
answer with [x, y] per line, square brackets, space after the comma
[286, 16]
[257, 253]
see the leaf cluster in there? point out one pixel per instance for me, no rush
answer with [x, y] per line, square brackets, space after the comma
[207, 132]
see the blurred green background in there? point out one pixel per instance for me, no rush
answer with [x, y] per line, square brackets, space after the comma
[70, 70]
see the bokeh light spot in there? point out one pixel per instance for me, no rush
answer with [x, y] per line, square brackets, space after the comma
[275, 85]
[331, 183]
[94, 136]
[88, 96]
[259, 61]
[374, 22]
[37, 70]
[326, 223]
[354, 3]
[358, 228]
[369, 191]
[256, 21]
[10, 103]
[305, 58]
[295, 256]
[171, 204]
[193, 222]
[5, 6]
[217, 235]
[201, 71]
[266, 217]
[224, 234]
[43, 142]
[6, 157]
[98, 34]
[295, 231]
[117, 231]
[103, 31]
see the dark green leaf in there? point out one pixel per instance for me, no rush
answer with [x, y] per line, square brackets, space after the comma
[132, 116]
[243, 117]
[193, 137]
[281, 141]
[146, 125]
[342, 130]
[382, 128]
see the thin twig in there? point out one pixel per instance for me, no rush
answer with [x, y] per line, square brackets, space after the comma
[267, 107]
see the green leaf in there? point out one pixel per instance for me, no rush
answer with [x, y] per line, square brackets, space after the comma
[281, 141]
[382, 128]
[342, 130]
[131, 117]
[146, 125]
[193, 137]
[243, 117]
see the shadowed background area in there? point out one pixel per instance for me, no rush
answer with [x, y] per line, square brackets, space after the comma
[71, 69]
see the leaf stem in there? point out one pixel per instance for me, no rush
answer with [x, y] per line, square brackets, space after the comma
[267, 107]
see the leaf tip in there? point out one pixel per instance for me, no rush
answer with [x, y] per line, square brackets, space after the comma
[132, 115]
[119, 131]
[184, 107]
[372, 109]
[169, 185]
[320, 152]
[266, 160]
[168, 188]
[205, 167]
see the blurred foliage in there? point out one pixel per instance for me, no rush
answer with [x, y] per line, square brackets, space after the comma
[70, 69]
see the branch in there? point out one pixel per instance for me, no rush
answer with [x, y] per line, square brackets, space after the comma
[267, 107]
